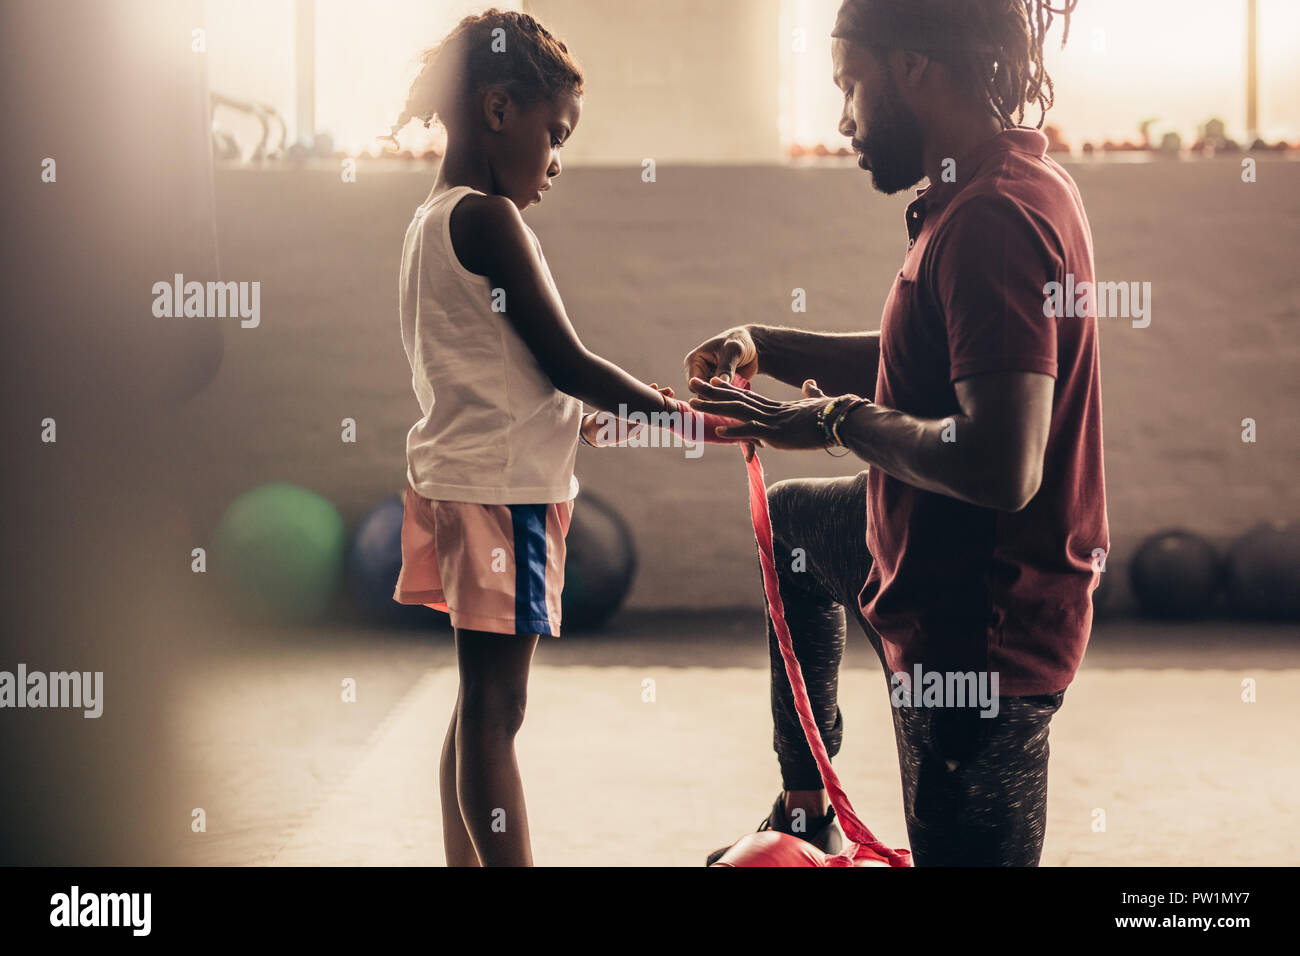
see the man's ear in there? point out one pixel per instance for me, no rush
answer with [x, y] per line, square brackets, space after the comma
[911, 68]
[496, 102]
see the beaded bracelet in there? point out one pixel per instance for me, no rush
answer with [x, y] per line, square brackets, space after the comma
[839, 419]
[824, 420]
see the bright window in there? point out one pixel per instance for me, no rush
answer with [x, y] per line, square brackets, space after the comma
[1177, 62]
[366, 56]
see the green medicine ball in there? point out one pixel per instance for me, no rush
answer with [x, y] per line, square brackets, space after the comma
[281, 550]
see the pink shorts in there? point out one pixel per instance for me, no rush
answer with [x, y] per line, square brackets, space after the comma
[496, 568]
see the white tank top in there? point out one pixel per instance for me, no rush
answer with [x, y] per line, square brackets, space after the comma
[494, 430]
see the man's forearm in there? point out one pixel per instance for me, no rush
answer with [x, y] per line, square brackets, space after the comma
[841, 362]
[940, 455]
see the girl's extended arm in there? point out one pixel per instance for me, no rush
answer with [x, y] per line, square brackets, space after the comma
[489, 238]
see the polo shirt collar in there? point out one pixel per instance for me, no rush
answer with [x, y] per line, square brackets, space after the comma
[1021, 138]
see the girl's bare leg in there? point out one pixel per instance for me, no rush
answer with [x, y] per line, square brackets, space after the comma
[457, 846]
[493, 695]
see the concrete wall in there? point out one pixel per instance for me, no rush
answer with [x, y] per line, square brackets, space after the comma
[648, 270]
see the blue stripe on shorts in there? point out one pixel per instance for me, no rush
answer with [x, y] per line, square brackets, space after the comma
[531, 616]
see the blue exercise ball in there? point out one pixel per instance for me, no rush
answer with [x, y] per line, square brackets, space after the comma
[374, 561]
[599, 566]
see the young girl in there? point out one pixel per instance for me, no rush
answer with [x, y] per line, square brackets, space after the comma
[500, 376]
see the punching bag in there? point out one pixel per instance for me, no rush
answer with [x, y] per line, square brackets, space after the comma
[106, 187]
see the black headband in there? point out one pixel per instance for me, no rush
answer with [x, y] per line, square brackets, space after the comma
[906, 25]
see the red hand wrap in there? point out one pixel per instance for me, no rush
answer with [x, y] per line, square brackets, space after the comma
[705, 425]
[863, 844]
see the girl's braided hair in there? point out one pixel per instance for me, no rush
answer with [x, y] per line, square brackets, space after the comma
[495, 48]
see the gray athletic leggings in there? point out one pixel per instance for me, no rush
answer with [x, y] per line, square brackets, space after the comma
[974, 788]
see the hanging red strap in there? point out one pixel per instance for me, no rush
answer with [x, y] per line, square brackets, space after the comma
[863, 844]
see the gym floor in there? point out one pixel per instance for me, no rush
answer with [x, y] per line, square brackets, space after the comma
[1156, 759]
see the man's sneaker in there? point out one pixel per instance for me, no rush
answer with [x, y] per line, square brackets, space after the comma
[822, 832]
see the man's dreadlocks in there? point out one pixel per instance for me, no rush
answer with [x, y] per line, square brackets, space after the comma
[995, 46]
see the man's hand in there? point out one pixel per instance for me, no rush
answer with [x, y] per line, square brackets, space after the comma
[723, 356]
[789, 425]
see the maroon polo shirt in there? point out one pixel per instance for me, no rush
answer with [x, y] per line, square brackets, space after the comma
[954, 586]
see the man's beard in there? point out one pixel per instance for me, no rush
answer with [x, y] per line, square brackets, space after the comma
[892, 146]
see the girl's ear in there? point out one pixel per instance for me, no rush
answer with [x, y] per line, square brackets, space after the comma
[496, 101]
